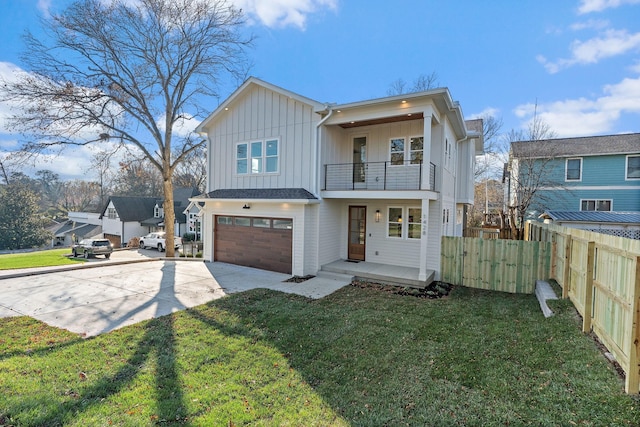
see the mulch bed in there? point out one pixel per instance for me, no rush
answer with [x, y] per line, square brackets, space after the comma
[299, 279]
[434, 290]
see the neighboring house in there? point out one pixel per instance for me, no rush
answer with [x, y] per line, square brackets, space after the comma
[181, 196]
[122, 217]
[294, 184]
[621, 224]
[597, 173]
[79, 225]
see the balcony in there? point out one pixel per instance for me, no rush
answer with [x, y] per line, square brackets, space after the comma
[378, 176]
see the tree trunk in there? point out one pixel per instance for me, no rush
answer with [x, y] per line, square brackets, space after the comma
[169, 217]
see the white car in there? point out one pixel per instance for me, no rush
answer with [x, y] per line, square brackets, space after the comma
[157, 240]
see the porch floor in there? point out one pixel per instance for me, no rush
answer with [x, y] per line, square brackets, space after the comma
[381, 273]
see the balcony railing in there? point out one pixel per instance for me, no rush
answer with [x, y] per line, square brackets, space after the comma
[377, 176]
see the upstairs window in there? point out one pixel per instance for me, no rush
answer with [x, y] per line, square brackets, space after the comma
[111, 213]
[573, 170]
[401, 153]
[257, 157]
[633, 167]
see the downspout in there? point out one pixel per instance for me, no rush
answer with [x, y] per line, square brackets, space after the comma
[318, 134]
[317, 166]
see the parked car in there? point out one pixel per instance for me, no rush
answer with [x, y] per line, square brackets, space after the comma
[158, 240]
[88, 248]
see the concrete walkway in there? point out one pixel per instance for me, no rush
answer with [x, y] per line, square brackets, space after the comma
[104, 295]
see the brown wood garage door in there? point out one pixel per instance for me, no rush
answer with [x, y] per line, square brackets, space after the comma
[254, 242]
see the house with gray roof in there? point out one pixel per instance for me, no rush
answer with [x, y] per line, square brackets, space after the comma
[585, 174]
[295, 185]
[122, 218]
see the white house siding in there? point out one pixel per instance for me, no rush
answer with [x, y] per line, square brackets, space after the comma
[434, 243]
[261, 114]
[329, 231]
[310, 240]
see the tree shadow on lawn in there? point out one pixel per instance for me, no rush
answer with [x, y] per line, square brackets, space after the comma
[378, 359]
[157, 344]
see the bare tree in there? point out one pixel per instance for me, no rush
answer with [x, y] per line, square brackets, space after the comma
[420, 84]
[117, 70]
[191, 173]
[531, 159]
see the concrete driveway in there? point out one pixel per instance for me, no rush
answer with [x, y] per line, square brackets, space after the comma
[103, 295]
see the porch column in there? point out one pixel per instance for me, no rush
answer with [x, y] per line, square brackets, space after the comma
[422, 274]
[426, 152]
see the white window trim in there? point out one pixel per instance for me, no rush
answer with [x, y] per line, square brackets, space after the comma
[626, 168]
[596, 204]
[263, 157]
[406, 154]
[566, 170]
[404, 228]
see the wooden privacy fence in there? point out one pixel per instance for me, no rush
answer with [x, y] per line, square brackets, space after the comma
[600, 274]
[493, 264]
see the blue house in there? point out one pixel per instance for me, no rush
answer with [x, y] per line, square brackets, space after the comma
[596, 173]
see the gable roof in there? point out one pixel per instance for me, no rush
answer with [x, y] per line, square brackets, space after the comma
[582, 146]
[253, 81]
[131, 208]
[594, 216]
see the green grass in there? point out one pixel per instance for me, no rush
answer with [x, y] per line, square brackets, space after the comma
[359, 357]
[46, 258]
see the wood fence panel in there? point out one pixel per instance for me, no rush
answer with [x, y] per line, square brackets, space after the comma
[602, 278]
[498, 265]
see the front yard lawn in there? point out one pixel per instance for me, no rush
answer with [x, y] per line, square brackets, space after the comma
[46, 258]
[360, 357]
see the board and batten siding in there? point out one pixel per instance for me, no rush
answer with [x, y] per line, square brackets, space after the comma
[330, 237]
[262, 114]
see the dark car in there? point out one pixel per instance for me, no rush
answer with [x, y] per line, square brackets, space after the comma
[88, 248]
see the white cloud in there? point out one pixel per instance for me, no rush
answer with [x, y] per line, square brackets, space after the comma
[43, 6]
[610, 43]
[584, 116]
[283, 13]
[591, 24]
[487, 112]
[183, 127]
[588, 6]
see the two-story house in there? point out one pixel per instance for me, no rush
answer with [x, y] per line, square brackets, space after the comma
[576, 176]
[294, 184]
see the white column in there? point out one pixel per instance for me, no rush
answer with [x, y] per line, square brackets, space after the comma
[422, 274]
[426, 152]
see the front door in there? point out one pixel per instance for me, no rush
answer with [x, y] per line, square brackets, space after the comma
[357, 232]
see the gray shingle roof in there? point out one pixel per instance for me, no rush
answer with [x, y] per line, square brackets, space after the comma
[261, 193]
[131, 208]
[593, 216]
[584, 146]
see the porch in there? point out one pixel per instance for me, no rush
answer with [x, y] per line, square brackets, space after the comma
[381, 273]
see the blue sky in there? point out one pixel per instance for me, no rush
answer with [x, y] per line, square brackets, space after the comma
[579, 60]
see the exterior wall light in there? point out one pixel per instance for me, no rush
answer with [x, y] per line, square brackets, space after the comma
[246, 206]
[377, 215]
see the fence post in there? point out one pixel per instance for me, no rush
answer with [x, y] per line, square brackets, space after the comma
[566, 274]
[588, 292]
[632, 381]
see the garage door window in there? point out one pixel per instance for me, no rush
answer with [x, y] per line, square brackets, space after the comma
[243, 222]
[285, 224]
[225, 220]
[262, 222]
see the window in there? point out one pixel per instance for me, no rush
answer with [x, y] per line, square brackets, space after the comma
[397, 151]
[156, 211]
[242, 221]
[398, 217]
[414, 223]
[394, 228]
[400, 151]
[416, 147]
[595, 205]
[225, 220]
[262, 222]
[111, 213]
[286, 224]
[633, 167]
[573, 170]
[257, 157]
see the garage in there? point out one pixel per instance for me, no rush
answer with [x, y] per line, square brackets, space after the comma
[258, 242]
